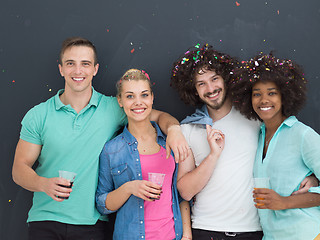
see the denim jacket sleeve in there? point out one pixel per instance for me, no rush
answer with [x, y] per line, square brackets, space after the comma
[105, 182]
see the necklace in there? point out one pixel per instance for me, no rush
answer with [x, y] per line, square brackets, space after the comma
[268, 141]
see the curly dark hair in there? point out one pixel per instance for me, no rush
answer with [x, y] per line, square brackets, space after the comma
[190, 64]
[287, 75]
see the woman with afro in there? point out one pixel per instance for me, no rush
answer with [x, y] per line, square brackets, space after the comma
[273, 90]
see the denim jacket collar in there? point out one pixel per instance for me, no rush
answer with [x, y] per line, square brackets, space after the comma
[130, 139]
[201, 116]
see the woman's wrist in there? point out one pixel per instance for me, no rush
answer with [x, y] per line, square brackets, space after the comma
[186, 237]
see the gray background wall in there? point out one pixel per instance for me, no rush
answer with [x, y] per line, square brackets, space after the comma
[159, 32]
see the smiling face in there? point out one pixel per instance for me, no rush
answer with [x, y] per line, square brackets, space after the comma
[266, 101]
[136, 98]
[210, 88]
[78, 69]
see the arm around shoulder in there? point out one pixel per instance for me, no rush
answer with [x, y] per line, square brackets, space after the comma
[175, 139]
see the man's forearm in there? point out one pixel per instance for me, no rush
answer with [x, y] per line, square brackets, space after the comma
[27, 178]
[194, 181]
[164, 120]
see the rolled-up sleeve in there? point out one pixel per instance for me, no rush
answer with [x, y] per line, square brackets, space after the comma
[311, 154]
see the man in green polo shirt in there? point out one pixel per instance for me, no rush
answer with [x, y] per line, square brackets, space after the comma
[67, 132]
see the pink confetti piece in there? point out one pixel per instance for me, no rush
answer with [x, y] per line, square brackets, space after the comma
[238, 4]
[132, 50]
[278, 12]
[13, 81]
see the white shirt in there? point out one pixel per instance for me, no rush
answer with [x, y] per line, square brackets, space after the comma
[226, 202]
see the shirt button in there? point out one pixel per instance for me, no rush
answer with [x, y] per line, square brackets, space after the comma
[141, 222]
[118, 171]
[139, 174]
[140, 206]
[137, 160]
[142, 236]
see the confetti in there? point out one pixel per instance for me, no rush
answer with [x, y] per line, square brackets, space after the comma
[13, 81]
[9, 200]
[238, 4]
[132, 50]
[278, 12]
[3, 70]
[50, 90]
[108, 30]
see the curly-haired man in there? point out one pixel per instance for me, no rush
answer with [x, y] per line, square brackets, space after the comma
[221, 182]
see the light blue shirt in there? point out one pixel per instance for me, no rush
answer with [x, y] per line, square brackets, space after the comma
[293, 154]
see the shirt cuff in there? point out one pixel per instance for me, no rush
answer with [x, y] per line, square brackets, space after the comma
[314, 190]
[101, 206]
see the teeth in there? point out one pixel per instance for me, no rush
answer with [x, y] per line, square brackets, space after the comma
[138, 110]
[78, 79]
[265, 108]
[213, 95]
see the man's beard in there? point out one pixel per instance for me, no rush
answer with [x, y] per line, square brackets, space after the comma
[216, 105]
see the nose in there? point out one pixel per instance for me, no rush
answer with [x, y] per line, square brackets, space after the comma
[264, 99]
[137, 101]
[78, 69]
[210, 87]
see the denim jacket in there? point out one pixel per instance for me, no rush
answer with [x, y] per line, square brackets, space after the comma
[120, 163]
[201, 116]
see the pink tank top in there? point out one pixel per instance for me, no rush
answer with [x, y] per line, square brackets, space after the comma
[158, 215]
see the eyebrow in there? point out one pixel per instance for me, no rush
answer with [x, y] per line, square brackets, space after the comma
[141, 92]
[83, 61]
[258, 89]
[200, 80]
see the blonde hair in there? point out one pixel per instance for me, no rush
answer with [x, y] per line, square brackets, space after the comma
[132, 74]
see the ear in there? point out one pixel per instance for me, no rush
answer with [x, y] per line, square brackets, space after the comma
[152, 96]
[60, 70]
[96, 67]
[119, 101]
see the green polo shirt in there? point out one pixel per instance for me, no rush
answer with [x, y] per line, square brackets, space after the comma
[71, 142]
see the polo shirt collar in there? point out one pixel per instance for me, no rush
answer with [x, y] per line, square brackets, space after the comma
[93, 100]
[130, 139]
